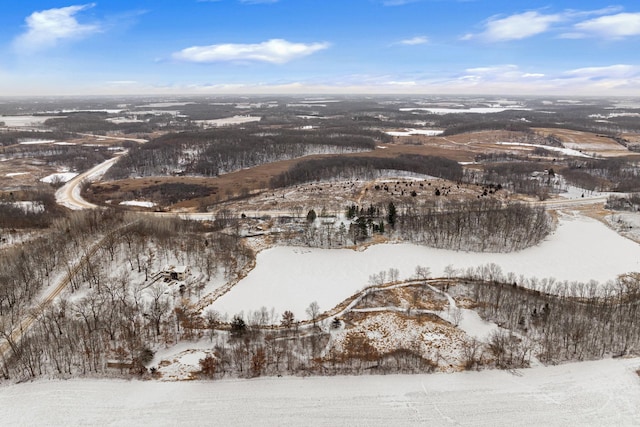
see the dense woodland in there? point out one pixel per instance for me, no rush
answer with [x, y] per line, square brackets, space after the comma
[72, 157]
[16, 137]
[483, 225]
[524, 177]
[556, 321]
[210, 153]
[119, 312]
[367, 168]
[28, 209]
[615, 174]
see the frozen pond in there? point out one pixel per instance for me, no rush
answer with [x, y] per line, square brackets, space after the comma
[290, 278]
[25, 121]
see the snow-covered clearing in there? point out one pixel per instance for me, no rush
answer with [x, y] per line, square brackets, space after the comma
[59, 177]
[165, 104]
[138, 203]
[605, 392]
[290, 278]
[409, 132]
[478, 110]
[228, 121]
[29, 206]
[26, 121]
[37, 141]
[566, 151]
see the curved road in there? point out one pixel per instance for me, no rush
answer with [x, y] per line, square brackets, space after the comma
[69, 194]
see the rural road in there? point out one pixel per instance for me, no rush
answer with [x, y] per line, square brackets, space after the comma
[69, 194]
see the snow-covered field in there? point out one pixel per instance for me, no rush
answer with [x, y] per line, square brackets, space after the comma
[409, 132]
[25, 121]
[478, 110]
[567, 151]
[598, 393]
[290, 278]
[228, 121]
[37, 141]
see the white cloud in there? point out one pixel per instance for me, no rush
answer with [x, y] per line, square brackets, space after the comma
[611, 26]
[579, 14]
[611, 71]
[276, 51]
[621, 79]
[515, 27]
[414, 41]
[48, 27]
[402, 83]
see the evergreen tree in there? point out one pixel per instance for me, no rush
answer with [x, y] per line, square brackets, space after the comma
[311, 216]
[392, 214]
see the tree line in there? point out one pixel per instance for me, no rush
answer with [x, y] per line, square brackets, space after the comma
[558, 321]
[612, 174]
[482, 225]
[15, 137]
[366, 168]
[213, 152]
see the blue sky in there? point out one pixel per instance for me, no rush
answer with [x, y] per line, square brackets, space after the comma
[319, 46]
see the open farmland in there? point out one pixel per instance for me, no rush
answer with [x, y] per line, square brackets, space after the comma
[590, 393]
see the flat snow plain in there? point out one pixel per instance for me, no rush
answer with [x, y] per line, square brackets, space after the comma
[598, 393]
[290, 278]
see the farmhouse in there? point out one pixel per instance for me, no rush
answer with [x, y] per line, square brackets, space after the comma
[173, 272]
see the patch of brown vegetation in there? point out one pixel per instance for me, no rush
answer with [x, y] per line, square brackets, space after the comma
[383, 333]
[588, 142]
[255, 181]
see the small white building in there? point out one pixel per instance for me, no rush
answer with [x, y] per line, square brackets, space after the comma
[175, 272]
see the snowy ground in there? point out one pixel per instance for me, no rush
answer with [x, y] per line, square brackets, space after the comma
[25, 121]
[599, 393]
[409, 132]
[566, 151]
[228, 121]
[138, 203]
[580, 249]
[626, 223]
[479, 110]
[59, 177]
